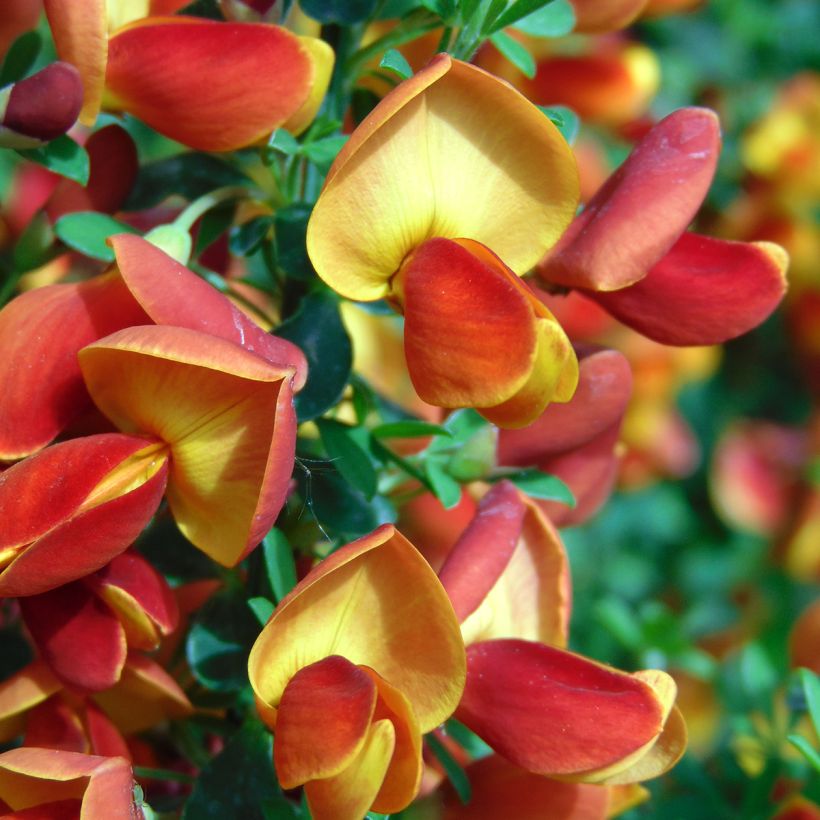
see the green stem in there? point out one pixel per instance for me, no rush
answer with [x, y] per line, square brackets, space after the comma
[210, 200]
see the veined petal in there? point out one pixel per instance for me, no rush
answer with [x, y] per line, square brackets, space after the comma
[349, 794]
[77, 635]
[451, 152]
[323, 720]
[413, 643]
[604, 389]
[556, 713]
[171, 294]
[213, 86]
[643, 207]
[226, 415]
[40, 334]
[704, 291]
[71, 508]
[80, 31]
[530, 598]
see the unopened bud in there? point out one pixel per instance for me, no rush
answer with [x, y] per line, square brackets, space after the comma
[41, 107]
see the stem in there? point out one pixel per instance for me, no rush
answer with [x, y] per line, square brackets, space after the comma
[200, 206]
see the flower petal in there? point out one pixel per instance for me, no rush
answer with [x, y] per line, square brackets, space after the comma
[213, 86]
[226, 415]
[643, 207]
[71, 508]
[377, 603]
[77, 635]
[173, 295]
[556, 713]
[80, 34]
[40, 334]
[322, 721]
[452, 152]
[597, 16]
[23, 691]
[704, 291]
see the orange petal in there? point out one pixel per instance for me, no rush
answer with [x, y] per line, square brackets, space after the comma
[226, 415]
[597, 16]
[559, 714]
[80, 34]
[77, 635]
[451, 152]
[71, 508]
[518, 591]
[173, 295]
[414, 643]
[322, 721]
[704, 291]
[213, 86]
[40, 334]
[322, 57]
[804, 639]
[643, 207]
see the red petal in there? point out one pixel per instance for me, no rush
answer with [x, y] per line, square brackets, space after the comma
[642, 209]
[212, 86]
[40, 334]
[322, 720]
[703, 292]
[53, 724]
[553, 712]
[77, 635]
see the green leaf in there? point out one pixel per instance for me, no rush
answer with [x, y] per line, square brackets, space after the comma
[318, 330]
[339, 11]
[239, 781]
[20, 57]
[350, 459]
[564, 119]
[213, 224]
[396, 62]
[283, 142]
[446, 489]
[262, 608]
[220, 641]
[210, 9]
[541, 485]
[290, 229]
[811, 689]
[464, 424]
[515, 52]
[469, 740]
[409, 429]
[245, 239]
[455, 774]
[556, 19]
[324, 151]
[34, 246]
[189, 175]
[86, 232]
[475, 457]
[62, 156]
[279, 563]
[809, 752]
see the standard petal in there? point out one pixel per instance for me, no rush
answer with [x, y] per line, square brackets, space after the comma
[80, 34]
[556, 713]
[173, 295]
[377, 603]
[40, 334]
[71, 508]
[213, 86]
[226, 415]
[643, 207]
[77, 635]
[452, 152]
[322, 721]
[704, 291]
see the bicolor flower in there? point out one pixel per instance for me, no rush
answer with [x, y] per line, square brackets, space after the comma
[42, 331]
[41, 107]
[211, 85]
[360, 659]
[577, 441]
[630, 252]
[448, 192]
[83, 630]
[541, 707]
[48, 783]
